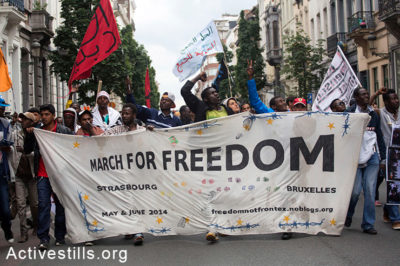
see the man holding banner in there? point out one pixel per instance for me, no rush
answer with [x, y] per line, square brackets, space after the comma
[44, 187]
[372, 151]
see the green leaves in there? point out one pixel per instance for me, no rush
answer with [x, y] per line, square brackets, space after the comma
[303, 62]
[248, 38]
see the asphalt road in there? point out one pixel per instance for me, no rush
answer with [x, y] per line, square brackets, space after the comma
[352, 248]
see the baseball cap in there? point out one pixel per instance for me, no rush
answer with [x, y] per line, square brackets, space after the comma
[170, 96]
[85, 112]
[27, 115]
[3, 102]
[300, 101]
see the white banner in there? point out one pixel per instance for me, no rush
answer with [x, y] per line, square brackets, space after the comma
[243, 174]
[339, 83]
[206, 42]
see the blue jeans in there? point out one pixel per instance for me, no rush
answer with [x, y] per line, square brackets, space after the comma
[44, 193]
[393, 212]
[5, 215]
[365, 180]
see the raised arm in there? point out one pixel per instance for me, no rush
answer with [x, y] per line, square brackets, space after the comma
[190, 99]
[254, 99]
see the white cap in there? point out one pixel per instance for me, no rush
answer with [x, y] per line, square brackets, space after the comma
[103, 93]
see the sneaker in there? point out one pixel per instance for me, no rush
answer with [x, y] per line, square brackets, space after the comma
[286, 236]
[386, 218]
[370, 231]
[9, 236]
[212, 237]
[138, 239]
[44, 245]
[60, 243]
[396, 225]
[348, 221]
[89, 244]
[378, 203]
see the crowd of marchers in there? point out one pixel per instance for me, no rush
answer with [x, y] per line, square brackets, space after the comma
[24, 180]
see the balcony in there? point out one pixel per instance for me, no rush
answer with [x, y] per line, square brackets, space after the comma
[19, 4]
[389, 12]
[333, 40]
[13, 10]
[42, 24]
[274, 56]
[361, 22]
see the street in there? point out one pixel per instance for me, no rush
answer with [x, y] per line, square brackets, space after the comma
[352, 248]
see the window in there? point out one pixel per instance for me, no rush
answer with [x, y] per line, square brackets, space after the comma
[333, 18]
[275, 29]
[326, 23]
[397, 69]
[385, 73]
[312, 31]
[318, 26]
[375, 82]
[268, 38]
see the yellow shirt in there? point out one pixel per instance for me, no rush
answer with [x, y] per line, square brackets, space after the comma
[211, 114]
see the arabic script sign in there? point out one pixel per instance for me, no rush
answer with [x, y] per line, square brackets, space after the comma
[206, 42]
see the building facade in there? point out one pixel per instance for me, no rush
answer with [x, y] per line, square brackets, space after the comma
[27, 29]
[389, 13]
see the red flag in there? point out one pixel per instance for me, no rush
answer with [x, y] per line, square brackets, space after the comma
[147, 88]
[101, 39]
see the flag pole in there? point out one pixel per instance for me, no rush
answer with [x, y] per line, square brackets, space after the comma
[229, 74]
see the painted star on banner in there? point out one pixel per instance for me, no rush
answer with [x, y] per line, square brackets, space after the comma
[239, 222]
[95, 223]
[159, 220]
[85, 197]
[270, 121]
[199, 132]
[286, 219]
[331, 125]
[187, 220]
[333, 221]
[76, 144]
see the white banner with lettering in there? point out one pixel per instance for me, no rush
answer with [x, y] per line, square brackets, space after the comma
[243, 174]
[339, 83]
[206, 42]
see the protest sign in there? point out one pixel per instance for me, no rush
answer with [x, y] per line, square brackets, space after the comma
[242, 174]
[191, 58]
[339, 83]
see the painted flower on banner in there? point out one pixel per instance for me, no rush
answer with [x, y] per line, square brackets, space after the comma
[173, 140]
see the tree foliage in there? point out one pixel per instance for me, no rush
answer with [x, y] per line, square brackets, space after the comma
[130, 59]
[303, 62]
[248, 39]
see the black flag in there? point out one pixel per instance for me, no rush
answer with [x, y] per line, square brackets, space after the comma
[222, 74]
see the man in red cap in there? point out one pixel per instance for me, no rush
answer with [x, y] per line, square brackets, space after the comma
[299, 104]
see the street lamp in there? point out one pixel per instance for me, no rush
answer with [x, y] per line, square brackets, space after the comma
[35, 48]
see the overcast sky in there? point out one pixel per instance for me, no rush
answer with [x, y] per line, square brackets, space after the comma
[164, 27]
